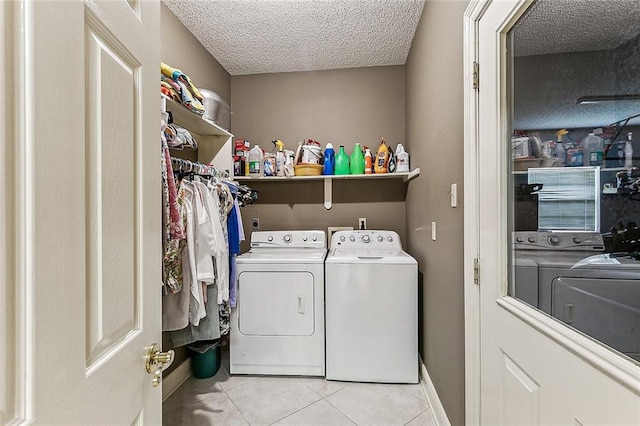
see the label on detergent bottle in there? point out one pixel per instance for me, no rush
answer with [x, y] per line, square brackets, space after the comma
[254, 167]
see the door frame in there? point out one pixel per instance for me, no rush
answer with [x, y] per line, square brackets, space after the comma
[17, 199]
[472, 14]
[592, 352]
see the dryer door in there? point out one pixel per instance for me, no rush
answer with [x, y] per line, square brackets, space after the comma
[276, 303]
[605, 309]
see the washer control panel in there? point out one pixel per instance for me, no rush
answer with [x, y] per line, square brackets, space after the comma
[589, 241]
[366, 239]
[293, 239]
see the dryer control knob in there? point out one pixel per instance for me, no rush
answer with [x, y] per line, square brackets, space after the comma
[531, 240]
[352, 238]
[577, 240]
[342, 239]
[380, 239]
[519, 239]
[553, 240]
[390, 239]
[315, 238]
[365, 239]
[304, 238]
[270, 238]
[287, 238]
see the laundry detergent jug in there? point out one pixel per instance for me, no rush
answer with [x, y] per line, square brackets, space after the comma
[382, 158]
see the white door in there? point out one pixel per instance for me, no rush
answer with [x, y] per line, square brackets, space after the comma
[529, 369]
[80, 206]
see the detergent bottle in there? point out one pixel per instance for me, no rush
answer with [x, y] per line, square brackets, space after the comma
[368, 162]
[280, 158]
[593, 148]
[342, 162]
[256, 158]
[559, 151]
[628, 152]
[329, 160]
[402, 158]
[382, 158]
[357, 161]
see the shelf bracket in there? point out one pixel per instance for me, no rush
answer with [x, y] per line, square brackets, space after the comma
[328, 192]
[412, 175]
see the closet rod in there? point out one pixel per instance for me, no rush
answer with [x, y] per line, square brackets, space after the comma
[198, 168]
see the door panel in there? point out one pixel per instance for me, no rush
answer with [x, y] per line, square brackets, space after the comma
[520, 395]
[533, 370]
[95, 177]
[111, 146]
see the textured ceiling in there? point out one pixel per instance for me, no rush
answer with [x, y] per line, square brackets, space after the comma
[560, 26]
[271, 36]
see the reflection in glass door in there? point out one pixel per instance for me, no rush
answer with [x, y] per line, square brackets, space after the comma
[574, 95]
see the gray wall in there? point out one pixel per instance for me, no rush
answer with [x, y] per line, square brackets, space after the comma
[338, 106]
[180, 49]
[546, 88]
[434, 120]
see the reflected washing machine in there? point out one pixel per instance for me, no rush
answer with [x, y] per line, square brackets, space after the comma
[277, 326]
[371, 288]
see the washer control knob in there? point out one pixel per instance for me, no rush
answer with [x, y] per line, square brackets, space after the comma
[315, 238]
[380, 239]
[390, 239]
[577, 240]
[519, 239]
[365, 239]
[531, 240]
[352, 238]
[270, 238]
[287, 238]
[304, 238]
[553, 240]
[342, 238]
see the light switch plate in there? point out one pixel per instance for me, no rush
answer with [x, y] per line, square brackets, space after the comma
[454, 195]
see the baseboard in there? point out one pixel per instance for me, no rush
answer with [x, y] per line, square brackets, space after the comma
[176, 378]
[432, 397]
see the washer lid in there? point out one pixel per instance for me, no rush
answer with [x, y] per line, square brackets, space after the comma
[283, 255]
[341, 255]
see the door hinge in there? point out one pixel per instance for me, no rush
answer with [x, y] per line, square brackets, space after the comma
[476, 271]
[476, 76]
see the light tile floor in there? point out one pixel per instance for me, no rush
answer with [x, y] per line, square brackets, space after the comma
[267, 400]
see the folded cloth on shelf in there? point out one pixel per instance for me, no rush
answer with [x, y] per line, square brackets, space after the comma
[169, 91]
[181, 77]
[182, 94]
[189, 101]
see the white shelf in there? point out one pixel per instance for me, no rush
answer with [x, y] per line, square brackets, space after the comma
[328, 180]
[406, 177]
[192, 121]
[215, 145]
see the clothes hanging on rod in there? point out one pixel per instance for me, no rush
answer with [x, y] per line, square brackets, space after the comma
[179, 138]
[197, 263]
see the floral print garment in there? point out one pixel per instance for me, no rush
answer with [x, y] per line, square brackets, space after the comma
[174, 225]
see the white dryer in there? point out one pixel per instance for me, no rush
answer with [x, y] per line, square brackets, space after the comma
[371, 288]
[277, 326]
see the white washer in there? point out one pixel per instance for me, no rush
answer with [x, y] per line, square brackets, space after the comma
[371, 288]
[277, 326]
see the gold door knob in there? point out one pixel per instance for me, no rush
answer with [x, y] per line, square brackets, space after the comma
[156, 362]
